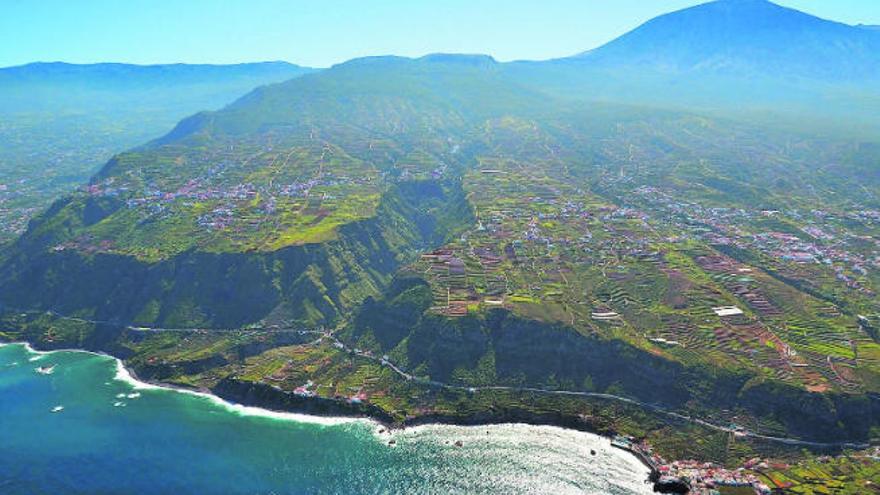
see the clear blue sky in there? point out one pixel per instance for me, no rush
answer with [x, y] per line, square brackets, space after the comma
[323, 32]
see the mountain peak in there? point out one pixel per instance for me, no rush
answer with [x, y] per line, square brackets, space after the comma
[744, 37]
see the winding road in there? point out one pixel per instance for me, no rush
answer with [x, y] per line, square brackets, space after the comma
[325, 334]
[736, 430]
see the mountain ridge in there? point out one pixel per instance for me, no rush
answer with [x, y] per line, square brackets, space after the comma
[60, 121]
[60, 65]
[750, 60]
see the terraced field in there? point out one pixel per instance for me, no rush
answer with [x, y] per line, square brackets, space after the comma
[547, 250]
[441, 238]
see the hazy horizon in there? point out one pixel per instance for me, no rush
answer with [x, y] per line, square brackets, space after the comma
[319, 36]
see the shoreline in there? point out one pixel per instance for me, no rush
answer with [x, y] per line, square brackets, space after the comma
[127, 375]
[631, 467]
[226, 399]
[305, 415]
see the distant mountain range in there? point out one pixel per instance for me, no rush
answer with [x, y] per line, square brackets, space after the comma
[59, 86]
[142, 74]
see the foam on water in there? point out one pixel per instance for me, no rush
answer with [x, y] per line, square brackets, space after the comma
[123, 375]
[527, 449]
[267, 456]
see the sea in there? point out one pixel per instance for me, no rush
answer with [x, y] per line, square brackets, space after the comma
[88, 427]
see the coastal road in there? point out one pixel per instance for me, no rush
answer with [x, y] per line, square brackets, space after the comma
[736, 430]
[325, 334]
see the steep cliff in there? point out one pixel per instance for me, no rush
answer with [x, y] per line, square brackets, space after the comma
[305, 285]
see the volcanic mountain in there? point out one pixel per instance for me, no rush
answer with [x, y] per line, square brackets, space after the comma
[744, 38]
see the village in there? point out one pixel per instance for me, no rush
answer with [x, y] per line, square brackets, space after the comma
[550, 251]
[761, 476]
[822, 238]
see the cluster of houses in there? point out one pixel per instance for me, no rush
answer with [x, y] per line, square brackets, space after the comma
[14, 219]
[822, 240]
[85, 244]
[695, 477]
[705, 478]
[224, 195]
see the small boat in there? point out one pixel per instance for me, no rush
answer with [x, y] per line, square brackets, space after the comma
[45, 370]
[134, 395]
[119, 404]
[57, 409]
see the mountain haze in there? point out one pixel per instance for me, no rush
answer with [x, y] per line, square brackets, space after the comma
[751, 60]
[745, 38]
[64, 88]
[59, 122]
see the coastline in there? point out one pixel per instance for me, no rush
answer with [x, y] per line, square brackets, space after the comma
[231, 397]
[238, 397]
[129, 376]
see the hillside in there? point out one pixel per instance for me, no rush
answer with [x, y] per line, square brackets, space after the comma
[59, 122]
[482, 237]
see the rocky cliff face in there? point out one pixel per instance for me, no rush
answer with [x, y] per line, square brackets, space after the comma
[309, 284]
[503, 348]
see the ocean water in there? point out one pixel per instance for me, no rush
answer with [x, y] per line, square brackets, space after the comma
[117, 436]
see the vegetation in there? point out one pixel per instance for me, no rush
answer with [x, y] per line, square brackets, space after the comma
[436, 239]
[59, 122]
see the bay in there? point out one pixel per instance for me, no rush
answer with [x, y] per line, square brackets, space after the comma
[115, 435]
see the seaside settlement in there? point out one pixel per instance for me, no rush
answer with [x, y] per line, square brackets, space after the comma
[823, 475]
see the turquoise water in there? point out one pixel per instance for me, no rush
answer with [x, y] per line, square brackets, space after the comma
[115, 436]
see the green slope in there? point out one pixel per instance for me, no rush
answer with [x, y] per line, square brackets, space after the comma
[60, 122]
[535, 241]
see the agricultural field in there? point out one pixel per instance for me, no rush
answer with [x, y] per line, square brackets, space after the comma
[431, 251]
[855, 473]
[548, 250]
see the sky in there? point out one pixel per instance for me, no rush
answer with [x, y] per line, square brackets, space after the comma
[320, 33]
